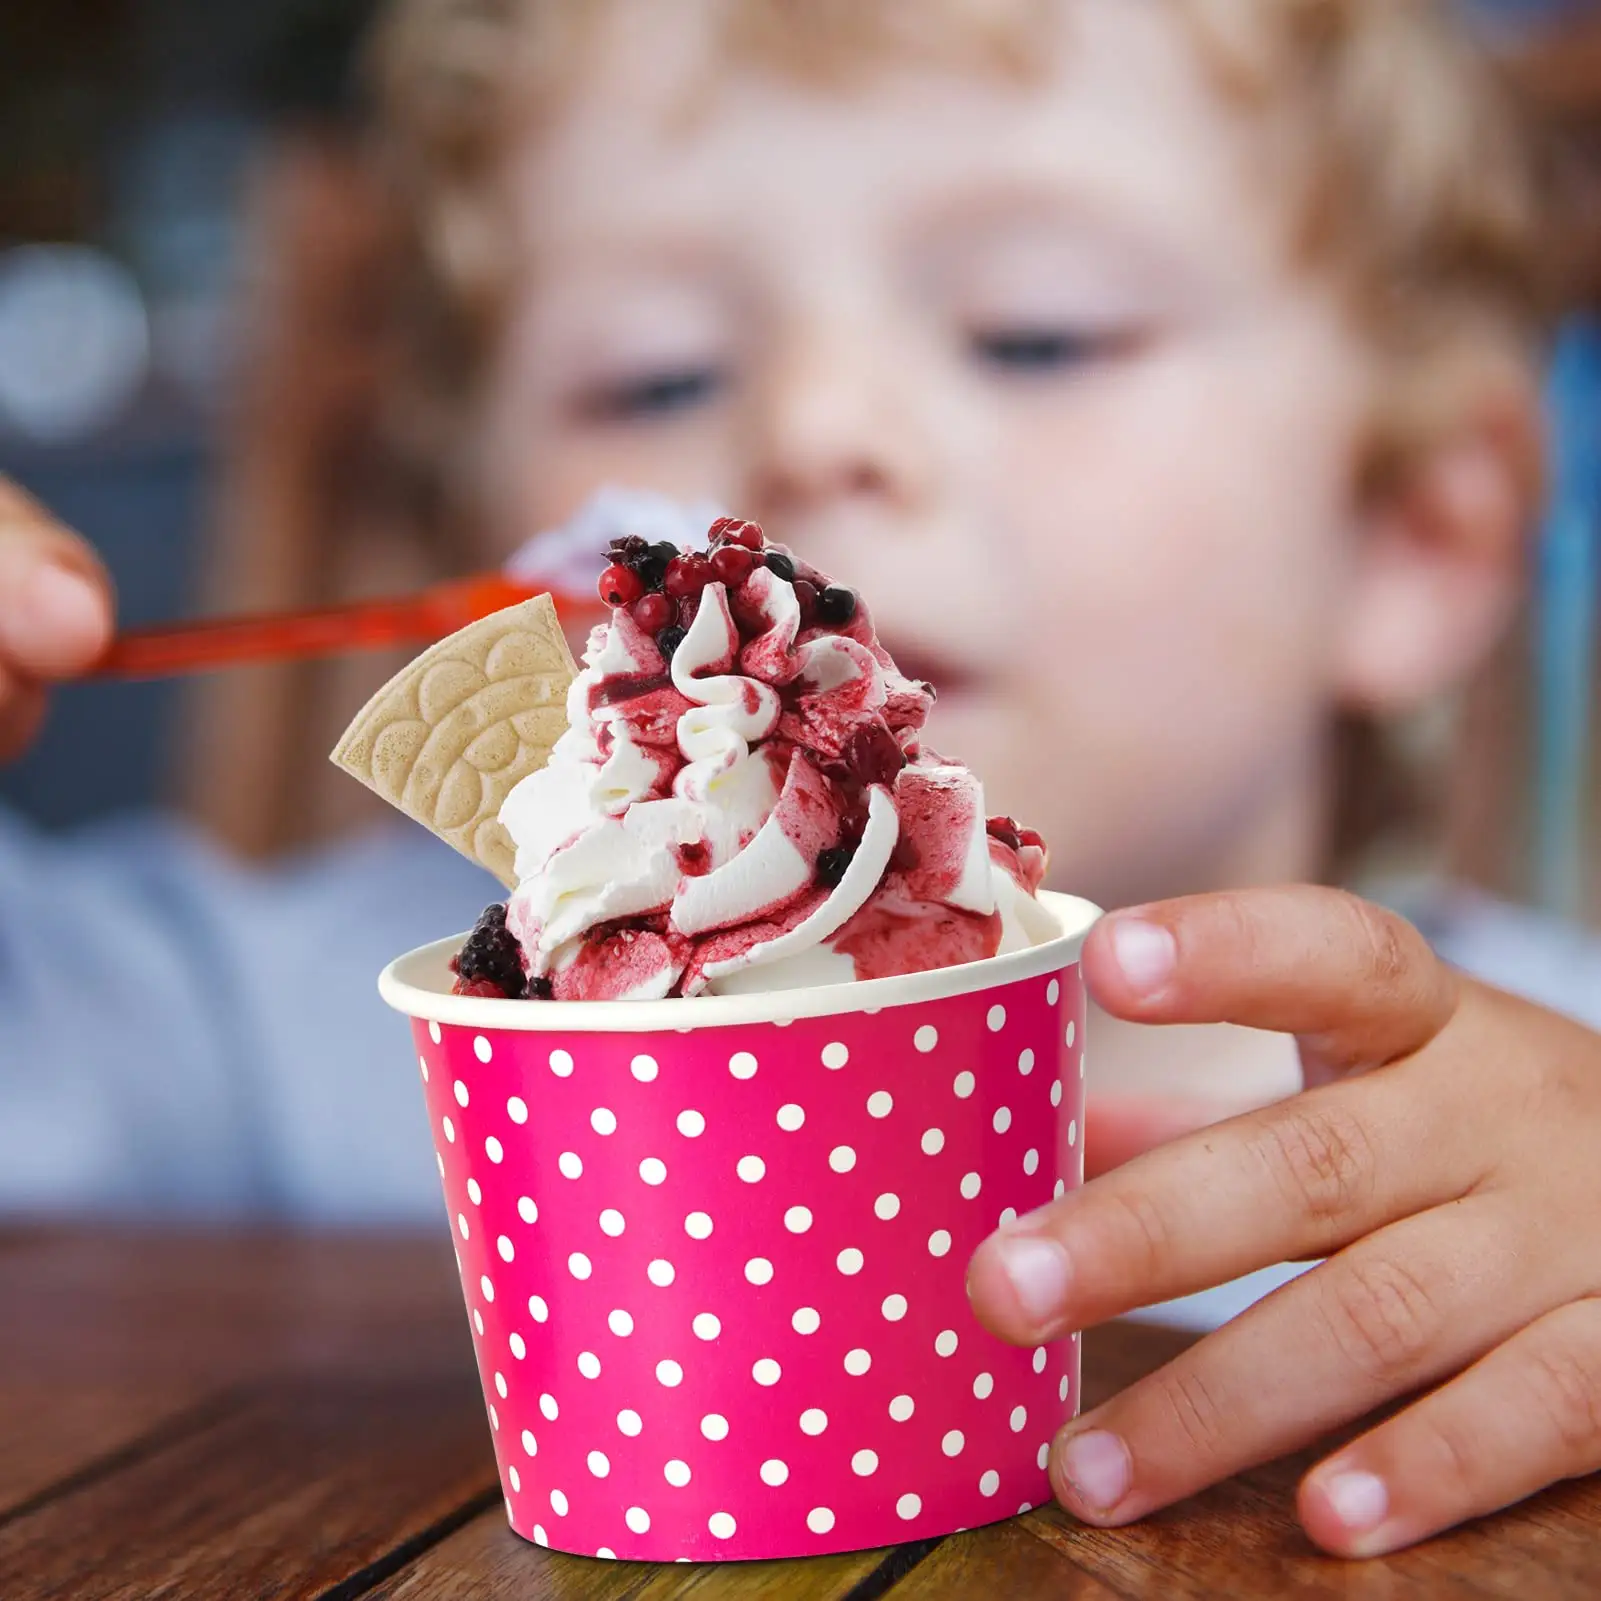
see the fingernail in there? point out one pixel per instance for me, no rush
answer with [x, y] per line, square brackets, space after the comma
[56, 620]
[1038, 1271]
[1097, 1467]
[1359, 1500]
[1146, 952]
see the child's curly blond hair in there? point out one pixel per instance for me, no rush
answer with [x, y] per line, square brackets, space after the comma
[1413, 185]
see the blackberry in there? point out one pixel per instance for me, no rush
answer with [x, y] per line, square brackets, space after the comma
[540, 989]
[831, 865]
[492, 954]
[780, 566]
[668, 641]
[664, 550]
[652, 569]
[836, 605]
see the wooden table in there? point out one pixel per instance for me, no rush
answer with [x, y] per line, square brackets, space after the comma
[252, 1415]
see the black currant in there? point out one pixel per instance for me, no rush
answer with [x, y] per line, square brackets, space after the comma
[831, 864]
[836, 605]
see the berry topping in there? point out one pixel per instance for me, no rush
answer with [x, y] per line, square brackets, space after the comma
[694, 859]
[831, 864]
[906, 857]
[620, 586]
[731, 564]
[737, 531]
[480, 989]
[1031, 839]
[668, 641]
[654, 612]
[687, 575]
[872, 755]
[540, 989]
[652, 569]
[836, 605]
[629, 548]
[780, 566]
[806, 593]
[492, 955]
[664, 550]
[1006, 831]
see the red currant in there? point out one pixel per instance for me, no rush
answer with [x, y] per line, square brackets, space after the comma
[737, 531]
[687, 575]
[731, 564]
[653, 612]
[620, 586]
[1004, 830]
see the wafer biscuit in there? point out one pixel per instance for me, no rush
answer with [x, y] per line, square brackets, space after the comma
[448, 739]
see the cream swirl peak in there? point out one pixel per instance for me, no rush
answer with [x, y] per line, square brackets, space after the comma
[742, 799]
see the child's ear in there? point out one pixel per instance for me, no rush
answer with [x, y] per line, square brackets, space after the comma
[1440, 560]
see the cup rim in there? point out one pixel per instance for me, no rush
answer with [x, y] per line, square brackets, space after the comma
[416, 984]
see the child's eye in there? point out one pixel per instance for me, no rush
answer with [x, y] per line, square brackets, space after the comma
[1038, 350]
[657, 394]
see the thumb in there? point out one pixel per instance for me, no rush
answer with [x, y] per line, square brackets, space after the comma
[55, 598]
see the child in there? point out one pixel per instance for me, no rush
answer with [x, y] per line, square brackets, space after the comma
[1164, 372]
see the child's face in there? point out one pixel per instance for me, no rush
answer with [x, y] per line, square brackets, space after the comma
[1030, 366]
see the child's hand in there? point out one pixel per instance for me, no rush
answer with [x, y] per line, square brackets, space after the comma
[55, 612]
[1448, 1163]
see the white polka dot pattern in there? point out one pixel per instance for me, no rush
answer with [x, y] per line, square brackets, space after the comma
[715, 1280]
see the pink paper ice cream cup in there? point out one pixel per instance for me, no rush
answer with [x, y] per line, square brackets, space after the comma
[714, 1250]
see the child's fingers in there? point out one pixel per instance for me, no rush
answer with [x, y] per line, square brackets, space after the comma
[1117, 1128]
[1295, 1180]
[1358, 985]
[55, 599]
[1400, 1310]
[1525, 1416]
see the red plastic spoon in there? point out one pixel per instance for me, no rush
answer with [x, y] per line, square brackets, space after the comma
[322, 631]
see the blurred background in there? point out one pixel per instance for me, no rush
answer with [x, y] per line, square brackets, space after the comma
[187, 359]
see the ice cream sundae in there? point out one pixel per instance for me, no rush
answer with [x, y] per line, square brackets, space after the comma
[743, 800]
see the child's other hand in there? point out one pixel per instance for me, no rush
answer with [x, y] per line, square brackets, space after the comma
[55, 612]
[1447, 1161]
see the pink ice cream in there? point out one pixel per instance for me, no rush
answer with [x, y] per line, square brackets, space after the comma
[743, 801]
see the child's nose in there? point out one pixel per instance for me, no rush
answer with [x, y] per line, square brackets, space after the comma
[834, 424]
